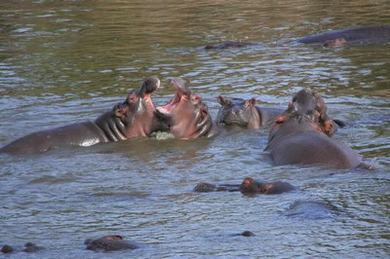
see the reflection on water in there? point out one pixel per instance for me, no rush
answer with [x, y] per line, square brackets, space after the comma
[63, 62]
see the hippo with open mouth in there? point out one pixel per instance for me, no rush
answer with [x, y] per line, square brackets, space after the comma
[133, 118]
[186, 115]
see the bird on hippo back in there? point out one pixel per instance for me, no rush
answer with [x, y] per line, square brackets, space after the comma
[186, 115]
[135, 117]
[298, 137]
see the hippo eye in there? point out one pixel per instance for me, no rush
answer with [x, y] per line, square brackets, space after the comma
[195, 99]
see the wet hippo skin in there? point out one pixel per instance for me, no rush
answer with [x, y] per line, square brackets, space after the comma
[135, 117]
[297, 139]
[358, 35]
[309, 102]
[187, 116]
[109, 243]
[244, 113]
[248, 186]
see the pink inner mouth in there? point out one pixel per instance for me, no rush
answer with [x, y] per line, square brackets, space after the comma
[181, 95]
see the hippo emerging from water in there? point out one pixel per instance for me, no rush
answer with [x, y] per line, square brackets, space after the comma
[244, 113]
[297, 138]
[186, 115]
[358, 35]
[248, 186]
[135, 117]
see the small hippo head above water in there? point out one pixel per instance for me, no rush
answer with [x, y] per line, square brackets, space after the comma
[187, 115]
[240, 112]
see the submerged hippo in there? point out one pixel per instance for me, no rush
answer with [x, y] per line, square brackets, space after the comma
[29, 247]
[298, 139]
[229, 44]
[110, 243]
[358, 35]
[186, 115]
[312, 210]
[135, 117]
[244, 113]
[248, 186]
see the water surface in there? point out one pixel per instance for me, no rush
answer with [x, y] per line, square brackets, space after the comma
[65, 62]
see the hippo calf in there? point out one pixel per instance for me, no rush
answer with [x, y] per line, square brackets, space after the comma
[358, 35]
[135, 117]
[110, 243]
[248, 186]
[244, 113]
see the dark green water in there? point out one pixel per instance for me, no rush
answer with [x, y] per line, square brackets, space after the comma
[64, 62]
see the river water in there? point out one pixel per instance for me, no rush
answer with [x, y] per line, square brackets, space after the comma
[69, 61]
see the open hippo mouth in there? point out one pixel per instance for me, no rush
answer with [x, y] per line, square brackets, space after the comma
[183, 93]
[185, 114]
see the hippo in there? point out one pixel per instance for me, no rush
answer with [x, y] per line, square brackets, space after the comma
[297, 138]
[244, 113]
[249, 186]
[186, 115]
[29, 247]
[6, 249]
[309, 101]
[229, 44]
[135, 117]
[110, 243]
[357, 35]
[311, 209]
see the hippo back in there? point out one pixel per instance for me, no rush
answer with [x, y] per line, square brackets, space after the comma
[313, 148]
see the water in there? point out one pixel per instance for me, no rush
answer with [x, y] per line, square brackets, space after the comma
[64, 62]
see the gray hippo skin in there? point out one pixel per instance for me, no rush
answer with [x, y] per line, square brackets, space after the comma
[358, 35]
[310, 102]
[298, 139]
[312, 210]
[244, 113]
[186, 115]
[135, 117]
[110, 243]
[249, 186]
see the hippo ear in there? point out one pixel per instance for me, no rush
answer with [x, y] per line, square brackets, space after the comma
[120, 110]
[250, 103]
[223, 101]
[329, 127]
[280, 119]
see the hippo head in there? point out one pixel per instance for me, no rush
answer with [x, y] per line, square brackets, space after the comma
[250, 186]
[135, 116]
[312, 104]
[240, 112]
[187, 115]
